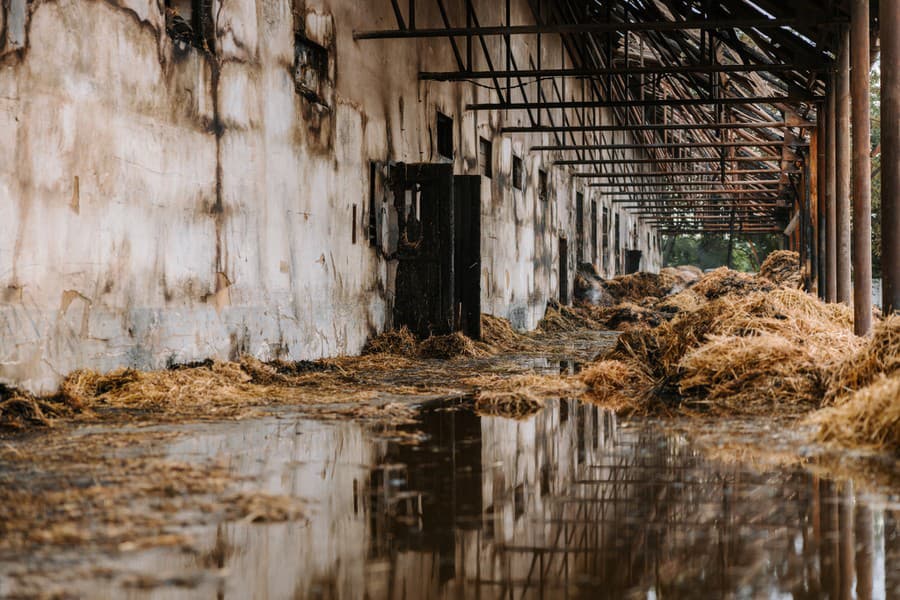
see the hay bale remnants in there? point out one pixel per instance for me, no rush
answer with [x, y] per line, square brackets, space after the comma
[621, 386]
[782, 268]
[684, 301]
[561, 318]
[498, 334]
[396, 341]
[519, 396]
[880, 355]
[870, 417]
[450, 346]
[724, 281]
[20, 410]
[750, 375]
[634, 287]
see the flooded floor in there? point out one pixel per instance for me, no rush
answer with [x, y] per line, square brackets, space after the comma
[439, 501]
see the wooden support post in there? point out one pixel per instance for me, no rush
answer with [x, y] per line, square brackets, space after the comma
[819, 222]
[890, 154]
[842, 195]
[830, 198]
[862, 168]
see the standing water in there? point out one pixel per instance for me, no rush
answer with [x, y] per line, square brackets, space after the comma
[568, 503]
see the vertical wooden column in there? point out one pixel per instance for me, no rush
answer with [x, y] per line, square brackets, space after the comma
[830, 197]
[842, 194]
[821, 134]
[890, 154]
[862, 167]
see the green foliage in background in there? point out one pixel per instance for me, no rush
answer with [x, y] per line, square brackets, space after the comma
[710, 252]
[875, 106]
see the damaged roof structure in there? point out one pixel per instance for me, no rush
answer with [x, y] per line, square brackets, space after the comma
[729, 102]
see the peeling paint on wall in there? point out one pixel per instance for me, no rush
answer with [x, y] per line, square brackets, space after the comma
[163, 203]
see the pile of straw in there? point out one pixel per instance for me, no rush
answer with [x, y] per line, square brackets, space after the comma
[684, 301]
[499, 334]
[724, 281]
[20, 410]
[560, 318]
[782, 268]
[621, 385]
[637, 286]
[450, 346]
[750, 375]
[880, 355]
[627, 315]
[398, 341]
[869, 417]
[520, 396]
[742, 353]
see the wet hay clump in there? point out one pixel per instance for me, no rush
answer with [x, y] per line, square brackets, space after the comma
[562, 318]
[869, 417]
[451, 346]
[499, 334]
[519, 396]
[760, 374]
[637, 286]
[21, 410]
[880, 355]
[624, 386]
[396, 341]
[782, 268]
[724, 281]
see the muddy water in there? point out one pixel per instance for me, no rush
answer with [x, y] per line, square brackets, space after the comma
[569, 503]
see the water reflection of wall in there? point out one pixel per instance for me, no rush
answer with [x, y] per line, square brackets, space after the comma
[567, 502]
[574, 505]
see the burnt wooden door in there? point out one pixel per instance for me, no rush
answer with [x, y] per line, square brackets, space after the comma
[579, 229]
[467, 253]
[563, 271]
[425, 295]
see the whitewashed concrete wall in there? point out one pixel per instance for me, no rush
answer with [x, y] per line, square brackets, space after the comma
[159, 206]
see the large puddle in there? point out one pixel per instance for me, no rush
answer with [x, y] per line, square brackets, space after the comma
[569, 503]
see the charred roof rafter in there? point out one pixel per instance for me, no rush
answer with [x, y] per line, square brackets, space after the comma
[690, 83]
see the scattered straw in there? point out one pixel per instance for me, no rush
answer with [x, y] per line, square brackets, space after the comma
[258, 507]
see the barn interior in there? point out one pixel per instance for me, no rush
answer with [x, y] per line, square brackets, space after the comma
[404, 299]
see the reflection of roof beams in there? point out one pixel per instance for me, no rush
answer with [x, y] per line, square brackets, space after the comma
[750, 100]
[655, 127]
[623, 70]
[501, 30]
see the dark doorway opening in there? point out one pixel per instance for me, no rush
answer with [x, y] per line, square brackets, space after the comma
[579, 228]
[467, 253]
[445, 136]
[438, 288]
[594, 231]
[563, 271]
[618, 241]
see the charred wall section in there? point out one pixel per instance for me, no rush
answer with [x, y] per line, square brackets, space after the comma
[167, 195]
